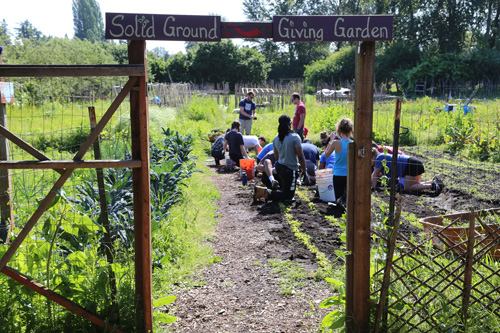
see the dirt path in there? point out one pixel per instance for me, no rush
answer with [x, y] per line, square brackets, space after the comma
[240, 293]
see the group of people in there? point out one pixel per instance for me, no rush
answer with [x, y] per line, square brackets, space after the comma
[290, 155]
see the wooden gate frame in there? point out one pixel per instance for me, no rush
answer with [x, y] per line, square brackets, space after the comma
[137, 87]
[359, 194]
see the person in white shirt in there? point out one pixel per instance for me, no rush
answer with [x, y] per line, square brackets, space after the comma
[252, 141]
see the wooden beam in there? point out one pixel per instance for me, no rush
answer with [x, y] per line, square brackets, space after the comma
[44, 204]
[363, 122]
[24, 145]
[59, 299]
[70, 164]
[105, 118]
[70, 70]
[139, 119]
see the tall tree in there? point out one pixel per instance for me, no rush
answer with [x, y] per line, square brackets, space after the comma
[87, 20]
[28, 31]
[4, 34]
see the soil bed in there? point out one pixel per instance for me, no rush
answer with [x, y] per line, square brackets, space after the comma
[241, 293]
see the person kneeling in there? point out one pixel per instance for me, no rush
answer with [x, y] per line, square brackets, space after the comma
[287, 149]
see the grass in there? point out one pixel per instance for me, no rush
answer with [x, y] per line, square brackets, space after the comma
[293, 277]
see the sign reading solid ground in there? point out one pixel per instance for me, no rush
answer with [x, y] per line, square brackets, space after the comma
[332, 28]
[163, 27]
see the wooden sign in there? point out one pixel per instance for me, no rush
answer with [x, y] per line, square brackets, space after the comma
[163, 27]
[332, 28]
[247, 29]
[6, 92]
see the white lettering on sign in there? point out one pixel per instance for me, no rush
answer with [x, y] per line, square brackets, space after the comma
[358, 32]
[141, 29]
[286, 30]
[170, 30]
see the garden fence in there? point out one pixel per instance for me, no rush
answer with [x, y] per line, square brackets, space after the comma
[75, 245]
[273, 94]
[447, 279]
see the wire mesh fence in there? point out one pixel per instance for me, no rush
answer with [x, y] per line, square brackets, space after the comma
[82, 246]
[433, 284]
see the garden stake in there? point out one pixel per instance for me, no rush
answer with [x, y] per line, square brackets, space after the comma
[107, 244]
[394, 170]
[382, 305]
[469, 261]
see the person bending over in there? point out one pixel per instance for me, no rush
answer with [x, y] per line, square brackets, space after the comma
[235, 141]
[252, 141]
[217, 149]
[311, 154]
[267, 148]
[409, 170]
[287, 150]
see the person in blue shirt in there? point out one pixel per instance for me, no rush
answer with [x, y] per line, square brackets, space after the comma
[247, 113]
[267, 148]
[326, 163]
[345, 130]
[409, 169]
[311, 154]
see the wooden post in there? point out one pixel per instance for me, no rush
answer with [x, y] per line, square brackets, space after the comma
[5, 180]
[6, 214]
[139, 117]
[351, 153]
[359, 192]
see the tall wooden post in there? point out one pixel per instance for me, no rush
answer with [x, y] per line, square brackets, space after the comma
[6, 215]
[139, 117]
[359, 193]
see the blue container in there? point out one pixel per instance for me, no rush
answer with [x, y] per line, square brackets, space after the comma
[467, 109]
[244, 178]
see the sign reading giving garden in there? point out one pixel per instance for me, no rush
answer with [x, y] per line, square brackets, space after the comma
[331, 28]
[281, 29]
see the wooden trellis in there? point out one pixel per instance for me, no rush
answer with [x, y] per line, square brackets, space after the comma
[424, 287]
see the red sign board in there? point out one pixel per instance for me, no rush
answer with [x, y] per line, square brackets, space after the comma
[163, 27]
[6, 92]
[332, 28]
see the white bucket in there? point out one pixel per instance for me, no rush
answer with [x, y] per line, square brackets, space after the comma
[324, 180]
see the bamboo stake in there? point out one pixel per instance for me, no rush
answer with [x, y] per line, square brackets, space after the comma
[381, 312]
[469, 261]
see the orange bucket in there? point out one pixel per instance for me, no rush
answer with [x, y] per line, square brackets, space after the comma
[259, 150]
[248, 165]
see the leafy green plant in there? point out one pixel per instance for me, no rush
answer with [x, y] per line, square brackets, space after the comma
[457, 135]
[336, 318]
[162, 317]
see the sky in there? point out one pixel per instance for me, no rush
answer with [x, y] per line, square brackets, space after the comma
[55, 17]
